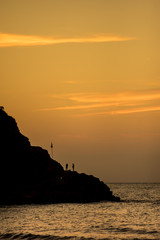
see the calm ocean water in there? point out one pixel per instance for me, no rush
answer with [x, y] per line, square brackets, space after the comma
[136, 217]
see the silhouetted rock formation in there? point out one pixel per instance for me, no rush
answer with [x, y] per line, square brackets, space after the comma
[29, 175]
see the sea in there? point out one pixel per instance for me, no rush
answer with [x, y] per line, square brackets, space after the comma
[137, 216]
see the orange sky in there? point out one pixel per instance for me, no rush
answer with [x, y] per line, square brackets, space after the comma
[85, 75]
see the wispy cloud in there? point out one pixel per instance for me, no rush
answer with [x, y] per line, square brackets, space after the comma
[137, 110]
[89, 104]
[16, 40]
[123, 111]
[119, 97]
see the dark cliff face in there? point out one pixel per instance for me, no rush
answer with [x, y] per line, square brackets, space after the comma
[29, 175]
[20, 163]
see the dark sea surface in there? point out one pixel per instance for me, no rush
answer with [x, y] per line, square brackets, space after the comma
[136, 217]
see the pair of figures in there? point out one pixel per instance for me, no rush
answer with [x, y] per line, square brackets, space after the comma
[72, 167]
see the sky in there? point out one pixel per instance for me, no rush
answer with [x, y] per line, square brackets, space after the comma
[85, 75]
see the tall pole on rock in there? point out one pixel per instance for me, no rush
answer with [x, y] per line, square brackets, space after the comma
[52, 149]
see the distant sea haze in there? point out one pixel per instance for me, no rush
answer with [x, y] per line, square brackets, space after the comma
[137, 216]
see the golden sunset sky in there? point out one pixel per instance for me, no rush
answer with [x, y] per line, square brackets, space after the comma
[85, 74]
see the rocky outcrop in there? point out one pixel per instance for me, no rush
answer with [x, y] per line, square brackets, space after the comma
[29, 175]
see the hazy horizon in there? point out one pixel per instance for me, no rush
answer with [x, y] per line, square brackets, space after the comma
[85, 75]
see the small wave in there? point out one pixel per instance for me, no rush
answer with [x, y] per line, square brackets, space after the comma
[29, 236]
[140, 201]
[132, 231]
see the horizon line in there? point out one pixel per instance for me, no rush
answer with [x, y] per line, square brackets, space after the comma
[132, 182]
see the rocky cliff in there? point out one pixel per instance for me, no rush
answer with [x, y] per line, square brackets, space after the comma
[29, 175]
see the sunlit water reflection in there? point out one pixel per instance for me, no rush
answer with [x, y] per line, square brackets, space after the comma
[136, 217]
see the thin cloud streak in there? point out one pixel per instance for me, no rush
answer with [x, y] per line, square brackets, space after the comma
[15, 40]
[77, 107]
[120, 112]
[137, 110]
[123, 97]
[125, 102]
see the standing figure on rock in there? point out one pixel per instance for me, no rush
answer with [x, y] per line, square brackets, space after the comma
[73, 167]
[67, 166]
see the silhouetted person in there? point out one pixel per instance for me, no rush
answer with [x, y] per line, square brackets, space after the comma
[67, 166]
[73, 167]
